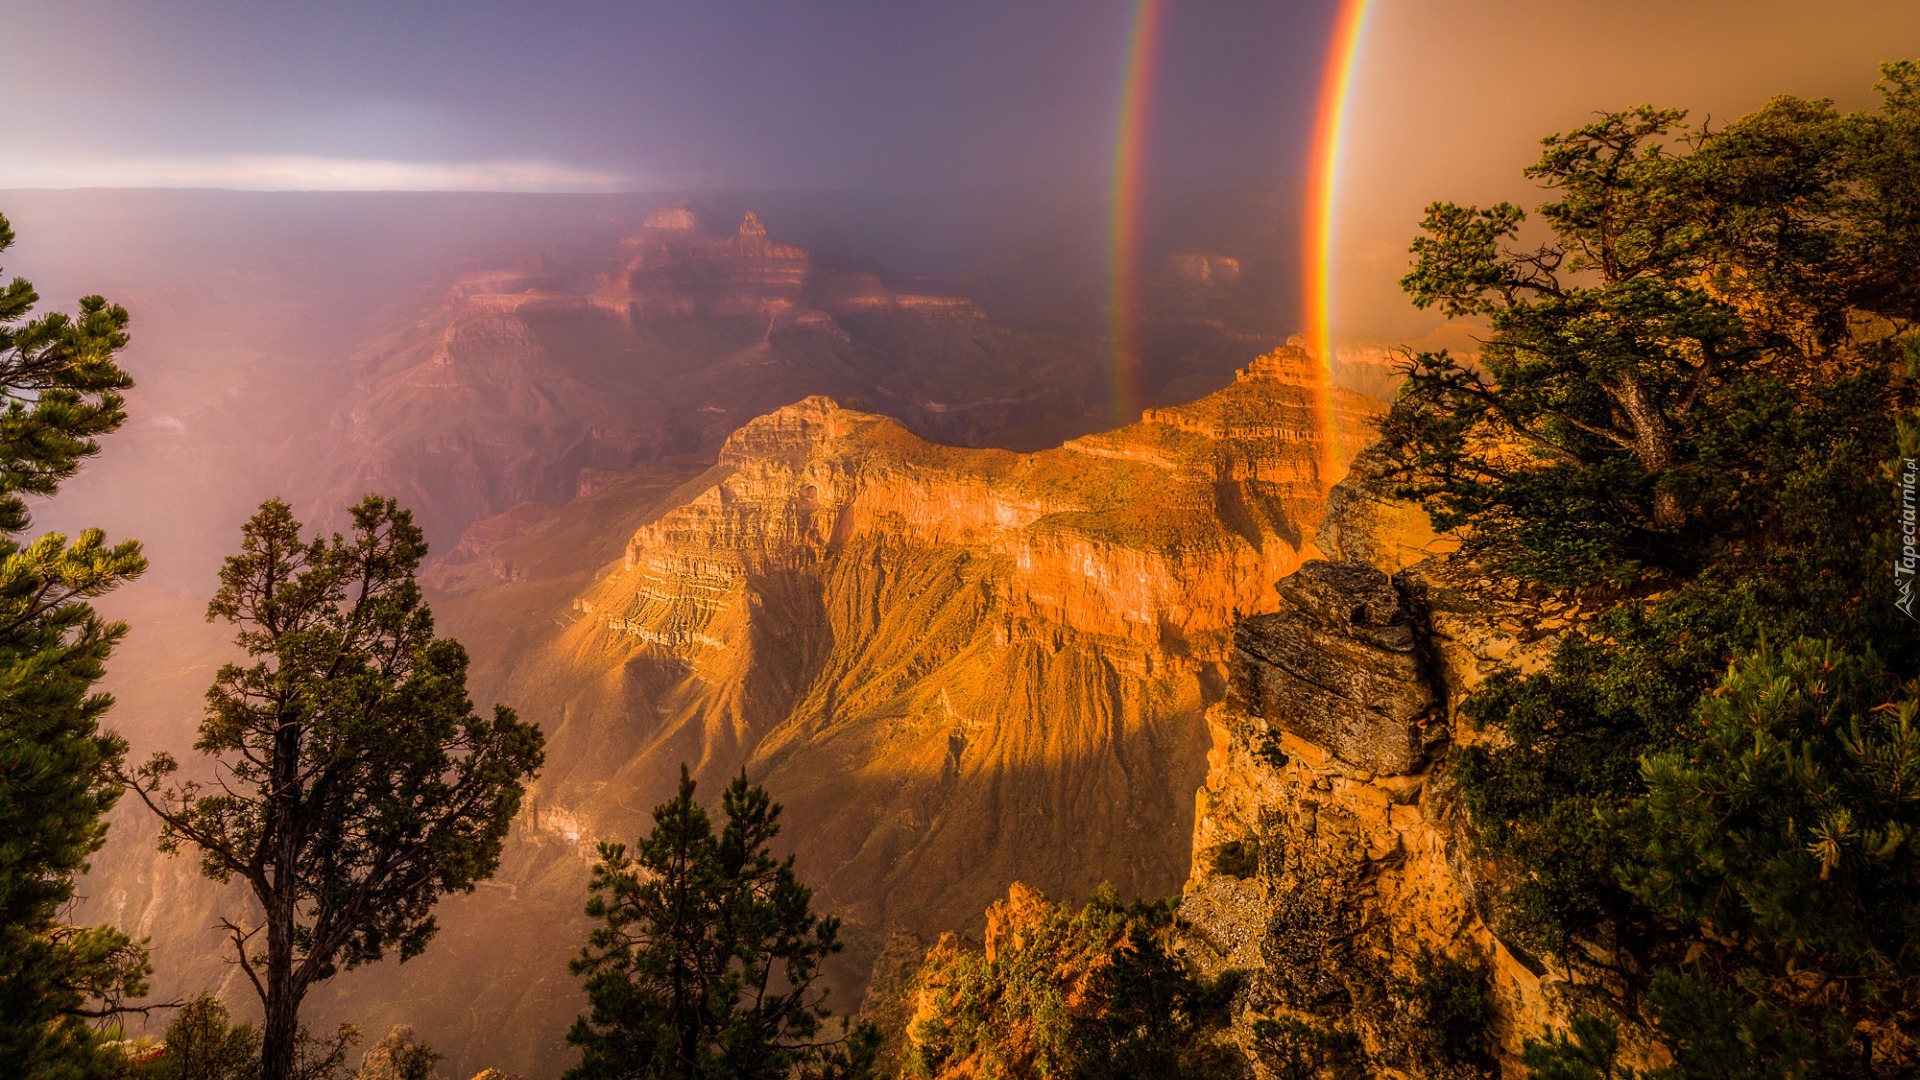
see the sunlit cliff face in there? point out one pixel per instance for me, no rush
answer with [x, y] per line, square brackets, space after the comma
[904, 636]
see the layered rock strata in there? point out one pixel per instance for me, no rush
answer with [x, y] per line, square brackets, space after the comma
[957, 667]
[1331, 855]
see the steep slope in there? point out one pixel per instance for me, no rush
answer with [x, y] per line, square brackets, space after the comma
[519, 378]
[955, 666]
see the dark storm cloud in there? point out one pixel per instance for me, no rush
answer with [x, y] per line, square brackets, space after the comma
[577, 94]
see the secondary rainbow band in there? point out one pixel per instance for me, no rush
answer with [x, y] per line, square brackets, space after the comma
[1322, 195]
[1129, 145]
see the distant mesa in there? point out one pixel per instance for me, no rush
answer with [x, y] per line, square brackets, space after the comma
[1203, 269]
[683, 216]
[528, 373]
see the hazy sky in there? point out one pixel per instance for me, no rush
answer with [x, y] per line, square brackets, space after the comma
[598, 94]
[1450, 96]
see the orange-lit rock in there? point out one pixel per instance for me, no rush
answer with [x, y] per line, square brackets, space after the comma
[1330, 844]
[956, 667]
[1170, 526]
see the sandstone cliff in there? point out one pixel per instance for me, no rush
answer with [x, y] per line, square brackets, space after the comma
[957, 667]
[1330, 849]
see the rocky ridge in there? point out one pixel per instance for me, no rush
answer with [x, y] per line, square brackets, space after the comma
[518, 380]
[1330, 855]
[956, 668]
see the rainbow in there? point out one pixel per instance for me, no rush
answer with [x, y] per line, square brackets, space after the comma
[1124, 208]
[1129, 145]
[1323, 188]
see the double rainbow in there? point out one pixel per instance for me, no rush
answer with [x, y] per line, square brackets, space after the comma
[1130, 137]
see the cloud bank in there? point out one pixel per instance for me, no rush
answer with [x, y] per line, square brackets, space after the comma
[297, 172]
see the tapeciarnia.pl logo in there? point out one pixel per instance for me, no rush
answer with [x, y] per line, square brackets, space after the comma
[1908, 562]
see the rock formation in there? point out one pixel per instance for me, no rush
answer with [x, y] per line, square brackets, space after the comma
[1330, 848]
[957, 667]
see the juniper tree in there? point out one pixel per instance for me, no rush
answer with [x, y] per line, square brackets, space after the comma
[1700, 378]
[707, 959]
[1693, 285]
[60, 391]
[353, 783]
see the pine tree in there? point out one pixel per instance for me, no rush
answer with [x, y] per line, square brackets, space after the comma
[707, 961]
[354, 782]
[1788, 821]
[60, 390]
[203, 1043]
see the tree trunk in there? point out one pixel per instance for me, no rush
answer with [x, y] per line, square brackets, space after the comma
[285, 985]
[1653, 444]
[282, 1028]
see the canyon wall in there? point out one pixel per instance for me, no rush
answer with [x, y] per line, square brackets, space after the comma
[956, 667]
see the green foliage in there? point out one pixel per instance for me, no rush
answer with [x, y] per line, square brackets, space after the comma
[1697, 286]
[355, 784]
[1293, 1049]
[1693, 388]
[59, 392]
[1064, 992]
[1449, 1009]
[1579, 728]
[1237, 858]
[1780, 818]
[1714, 1032]
[1785, 820]
[1789, 812]
[1589, 1051]
[1596, 812]
[1719, 1031]
[707, 959]
[203, 1043]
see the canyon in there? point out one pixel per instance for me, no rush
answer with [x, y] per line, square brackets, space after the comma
[956, 667]
[1332, 853]
[700, 495]
[1331, 859]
